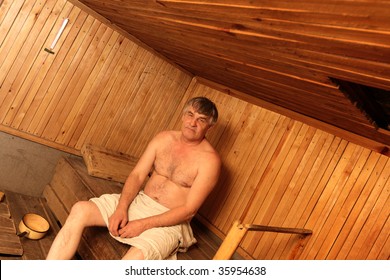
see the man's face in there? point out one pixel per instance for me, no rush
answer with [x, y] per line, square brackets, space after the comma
[195, 125]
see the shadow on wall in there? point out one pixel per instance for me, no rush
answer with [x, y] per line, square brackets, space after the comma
[26, 167]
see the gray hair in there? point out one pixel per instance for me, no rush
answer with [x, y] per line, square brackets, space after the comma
[203, 106]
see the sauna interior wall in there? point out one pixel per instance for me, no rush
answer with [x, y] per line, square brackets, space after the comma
[98, 87]
[282, 172]
[104, 89]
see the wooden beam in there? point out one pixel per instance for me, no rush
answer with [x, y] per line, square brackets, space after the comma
[39, 140]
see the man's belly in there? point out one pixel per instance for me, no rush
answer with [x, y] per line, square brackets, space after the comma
[166, 192]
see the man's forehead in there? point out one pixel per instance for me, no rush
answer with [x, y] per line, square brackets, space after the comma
[195, 111]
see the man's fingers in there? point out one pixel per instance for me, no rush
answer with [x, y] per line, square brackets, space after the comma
[114, 228]
[123, 223]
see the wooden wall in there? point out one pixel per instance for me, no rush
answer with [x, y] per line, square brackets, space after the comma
[98, 87]
[104, 89]
[281, 172]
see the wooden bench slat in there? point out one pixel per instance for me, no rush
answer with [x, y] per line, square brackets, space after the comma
[10, 244]
[9, 241]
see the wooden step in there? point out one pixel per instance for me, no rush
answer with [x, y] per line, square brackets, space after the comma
[71, 183]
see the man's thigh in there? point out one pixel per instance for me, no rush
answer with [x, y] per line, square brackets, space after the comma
[158, 243]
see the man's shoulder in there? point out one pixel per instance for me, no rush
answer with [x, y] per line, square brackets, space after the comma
[165, 137]
[167, 134]
[210, 153]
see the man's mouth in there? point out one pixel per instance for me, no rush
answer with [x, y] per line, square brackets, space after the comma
[190, 128]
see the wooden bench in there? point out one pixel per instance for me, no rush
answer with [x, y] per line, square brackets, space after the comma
[72, 182]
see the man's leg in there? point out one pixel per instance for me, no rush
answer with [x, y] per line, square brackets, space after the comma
[133, 254]
[82, 215]
[155, 244]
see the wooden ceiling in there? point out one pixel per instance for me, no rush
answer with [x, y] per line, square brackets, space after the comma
[287, 53]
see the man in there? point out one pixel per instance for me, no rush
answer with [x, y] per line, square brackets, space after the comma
[154, 219]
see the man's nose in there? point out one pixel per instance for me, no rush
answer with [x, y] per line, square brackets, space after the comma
[193, 122]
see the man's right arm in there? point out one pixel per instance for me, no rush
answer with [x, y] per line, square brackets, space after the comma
[132, 186]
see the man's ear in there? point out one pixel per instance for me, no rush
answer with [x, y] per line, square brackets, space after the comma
[211, 127]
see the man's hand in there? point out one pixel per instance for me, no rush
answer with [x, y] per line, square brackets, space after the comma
[117, 221]
[132, 229]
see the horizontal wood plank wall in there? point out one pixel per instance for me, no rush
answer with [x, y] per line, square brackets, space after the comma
[103, 89]
[98, 87]
[281, 172]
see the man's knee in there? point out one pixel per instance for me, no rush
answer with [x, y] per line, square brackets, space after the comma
[84, 212]
[133, 254]
[80, 208]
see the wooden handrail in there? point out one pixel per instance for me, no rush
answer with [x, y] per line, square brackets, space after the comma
[238, 231]
[278, 229]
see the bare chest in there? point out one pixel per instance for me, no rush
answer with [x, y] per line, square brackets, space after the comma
[179, 165]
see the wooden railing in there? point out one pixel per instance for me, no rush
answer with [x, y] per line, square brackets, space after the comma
[238, 231]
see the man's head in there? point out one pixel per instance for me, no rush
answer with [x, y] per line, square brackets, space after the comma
[204, 106]
[199, 115]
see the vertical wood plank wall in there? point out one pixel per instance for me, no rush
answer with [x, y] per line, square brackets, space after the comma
[102, 88]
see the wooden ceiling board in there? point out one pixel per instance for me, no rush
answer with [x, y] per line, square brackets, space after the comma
[282, 52]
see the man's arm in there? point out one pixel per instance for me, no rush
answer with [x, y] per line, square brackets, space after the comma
[203, 184]
[131, 188]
